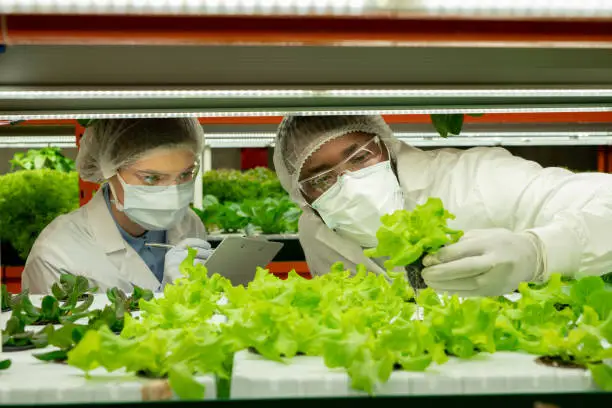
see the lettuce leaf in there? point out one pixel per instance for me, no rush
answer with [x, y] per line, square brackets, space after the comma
[405, 236]
[360, 322]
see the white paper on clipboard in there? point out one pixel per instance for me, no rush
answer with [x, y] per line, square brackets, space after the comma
[237, 258]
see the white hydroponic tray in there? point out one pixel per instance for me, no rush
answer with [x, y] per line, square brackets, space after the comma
[30, 381]
[499, 373]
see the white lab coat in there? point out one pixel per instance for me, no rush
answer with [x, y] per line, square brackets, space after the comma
[490, 188]
[87, 242]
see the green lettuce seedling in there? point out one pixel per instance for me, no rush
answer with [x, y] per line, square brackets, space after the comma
[72, 287]
[6, 300]
[405, 236]
[50, 311]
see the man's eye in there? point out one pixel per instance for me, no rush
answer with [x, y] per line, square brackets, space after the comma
[361, 158]
[323, 181]
[188, 175]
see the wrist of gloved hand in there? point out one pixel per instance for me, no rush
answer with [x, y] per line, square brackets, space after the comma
[202, 248]
[540, 272]
[176, 256]
[488, 262]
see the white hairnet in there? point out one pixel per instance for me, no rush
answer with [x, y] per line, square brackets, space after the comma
[111, 144]
[299, 137]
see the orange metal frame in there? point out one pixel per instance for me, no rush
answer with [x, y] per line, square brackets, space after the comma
[86, 188]
[11, 277]
[604, 159]
[372, 30]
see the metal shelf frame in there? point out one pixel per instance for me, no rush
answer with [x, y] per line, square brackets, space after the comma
[244, 132]
[49, 103]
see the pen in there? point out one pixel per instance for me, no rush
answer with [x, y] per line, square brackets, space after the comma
[157, 245]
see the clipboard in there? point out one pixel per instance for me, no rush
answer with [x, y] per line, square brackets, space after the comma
[237, 258]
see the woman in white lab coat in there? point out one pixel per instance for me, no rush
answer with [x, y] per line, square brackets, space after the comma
[147, 167]
[522, 222]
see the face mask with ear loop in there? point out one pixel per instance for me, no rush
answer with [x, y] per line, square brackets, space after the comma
[353, 206]
[155, 208]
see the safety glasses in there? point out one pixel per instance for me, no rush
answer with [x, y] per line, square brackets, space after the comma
[153, 178]
[367, 155]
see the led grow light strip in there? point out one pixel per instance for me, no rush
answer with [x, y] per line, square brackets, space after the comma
[297, 112]
[266, 139]
[517, 8]
[303, 93]
[512, 8]
[191, 7]
[34, 142]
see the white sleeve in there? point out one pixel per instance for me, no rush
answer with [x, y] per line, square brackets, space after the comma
[39, 275]
[319, 256]
[571, 213]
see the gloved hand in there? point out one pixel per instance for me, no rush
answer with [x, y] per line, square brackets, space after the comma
[176, 255]
[489, 262]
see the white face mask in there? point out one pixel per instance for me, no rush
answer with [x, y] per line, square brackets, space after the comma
[353, 206]
[155, 207]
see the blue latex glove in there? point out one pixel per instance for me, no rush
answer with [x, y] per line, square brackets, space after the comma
[176, 255]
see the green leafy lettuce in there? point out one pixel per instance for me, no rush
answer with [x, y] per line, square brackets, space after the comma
[405, 236]
[361, 322]
[236, 186]
[6, 299]
[45, 158]
[51, 311]
[30, 200]
[272, 215]
[174, 338]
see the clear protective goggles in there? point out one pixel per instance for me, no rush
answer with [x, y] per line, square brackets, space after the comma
[151, 178]
[367, 155]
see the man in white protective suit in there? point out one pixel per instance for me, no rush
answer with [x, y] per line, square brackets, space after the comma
[522, 222]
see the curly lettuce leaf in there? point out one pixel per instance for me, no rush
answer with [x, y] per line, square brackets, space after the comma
[358, 321]
[405, 236]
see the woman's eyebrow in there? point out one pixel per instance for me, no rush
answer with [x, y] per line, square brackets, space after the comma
[157, 173]
[152, 172]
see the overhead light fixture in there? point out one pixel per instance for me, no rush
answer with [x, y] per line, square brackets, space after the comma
[511, 8]
[12, 94]
[197, 7]
[50, 103]
[37, 142]
[419, 139]
[297, 112]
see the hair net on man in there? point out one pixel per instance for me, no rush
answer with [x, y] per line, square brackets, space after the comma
[111, 144]
[299, 137]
